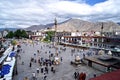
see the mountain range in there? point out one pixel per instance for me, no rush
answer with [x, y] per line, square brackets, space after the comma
[75, 25]
[10, 29]
[79, 25]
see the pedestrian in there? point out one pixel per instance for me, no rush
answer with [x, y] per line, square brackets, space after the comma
[50, 63]
[37, 70]
[38, 51]
[84, 76]
[83, 56]
[61, 59]
[78, 75]
[94, 75]
[30, 65]
[34, 76]
[35, 60]
[44, 77]
[52, 68]
[46, 69]
[42, 69]
[34, 54]
[75, 75]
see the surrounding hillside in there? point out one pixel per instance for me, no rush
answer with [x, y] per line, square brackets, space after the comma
[9, 29]
[79, 25]
[39, 27]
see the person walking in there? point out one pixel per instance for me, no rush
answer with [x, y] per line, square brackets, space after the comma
[34, 76]
[52, 67]
[75, 75]
[37, 70]
[30, 65]
[61, 59]
[46, 69]
[42, 69]
[44, 77]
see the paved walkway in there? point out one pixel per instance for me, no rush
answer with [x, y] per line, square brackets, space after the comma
[64, 71]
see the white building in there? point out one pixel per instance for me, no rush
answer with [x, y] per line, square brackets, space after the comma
[3, 33]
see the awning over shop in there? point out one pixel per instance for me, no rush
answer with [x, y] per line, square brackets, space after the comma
[115, 75]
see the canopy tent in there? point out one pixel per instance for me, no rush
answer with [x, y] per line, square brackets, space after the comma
[5, 69]
[77, 58]
[109, 53]
[115, 75]
[57, 60]
[101, 52]
[12, 54]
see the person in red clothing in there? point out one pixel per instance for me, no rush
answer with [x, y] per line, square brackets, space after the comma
[82, 76]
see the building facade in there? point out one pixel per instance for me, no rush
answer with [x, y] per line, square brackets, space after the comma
[93, 40]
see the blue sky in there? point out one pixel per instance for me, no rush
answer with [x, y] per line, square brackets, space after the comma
[93, 2]
[23, 13]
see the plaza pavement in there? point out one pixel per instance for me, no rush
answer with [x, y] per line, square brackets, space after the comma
[64, 71]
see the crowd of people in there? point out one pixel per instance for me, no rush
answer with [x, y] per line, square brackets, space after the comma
[79, 76]
[47, 64]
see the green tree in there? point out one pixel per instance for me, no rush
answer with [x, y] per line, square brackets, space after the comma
[13, 42]
[10, 34]
[49, 36]
[24, 34]
[18, 33]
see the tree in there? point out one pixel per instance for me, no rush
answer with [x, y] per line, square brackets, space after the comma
[18, 33]
[13, 42]
[24, 34]
[49, 36]
[10, 34]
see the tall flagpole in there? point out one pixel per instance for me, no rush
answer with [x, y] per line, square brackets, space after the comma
[102, 29]
[55, 40]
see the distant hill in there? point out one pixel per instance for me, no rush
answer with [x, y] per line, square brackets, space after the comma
[81, 25]
[78, 25]
[39, 27]
[9, 29]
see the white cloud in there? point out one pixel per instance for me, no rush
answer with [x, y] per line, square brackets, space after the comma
[23, 13]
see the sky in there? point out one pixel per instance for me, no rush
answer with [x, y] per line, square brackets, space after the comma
[23, 13]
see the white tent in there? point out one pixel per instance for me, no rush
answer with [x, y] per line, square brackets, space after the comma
[101, 52]
[57, 60]
[109, 53]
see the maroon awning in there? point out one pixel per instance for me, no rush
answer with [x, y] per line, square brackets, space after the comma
[115, 75]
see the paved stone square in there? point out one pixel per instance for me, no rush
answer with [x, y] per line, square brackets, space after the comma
[64, 71]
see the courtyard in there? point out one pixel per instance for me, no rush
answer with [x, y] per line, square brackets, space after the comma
[63, 71]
